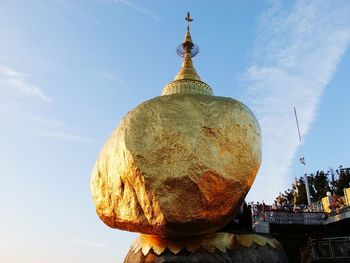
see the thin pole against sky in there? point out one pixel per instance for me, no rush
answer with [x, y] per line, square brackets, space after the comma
[302, 160]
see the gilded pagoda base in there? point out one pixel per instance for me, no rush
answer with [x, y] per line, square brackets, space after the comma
[217, 247]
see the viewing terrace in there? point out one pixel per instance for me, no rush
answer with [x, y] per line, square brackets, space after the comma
[263, 221]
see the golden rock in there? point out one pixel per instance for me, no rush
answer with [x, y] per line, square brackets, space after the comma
[177, 165]
[180, 164]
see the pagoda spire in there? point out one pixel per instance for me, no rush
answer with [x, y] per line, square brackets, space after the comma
[187, 70]
[187, 79]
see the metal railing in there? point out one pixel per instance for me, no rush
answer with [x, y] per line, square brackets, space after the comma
[343, 210]
[304, 218]
[330, 248]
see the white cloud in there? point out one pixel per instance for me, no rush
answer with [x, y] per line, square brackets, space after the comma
[116, 81]
[84, 242]
[90, 243]
[15, 83]
[62, 134]
[20, 108]
[112, 77]
[137, 8]
[64, 3]
[297, 53]
[69, 6]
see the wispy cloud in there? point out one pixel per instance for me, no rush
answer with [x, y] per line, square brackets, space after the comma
[23, 105]
[64, 3]
[113, 77]
[84, 242]
[16, 83]
[96, 244]
[90, 243]
[62, 134]
[69, 6]
[137, 8]
[297, 52]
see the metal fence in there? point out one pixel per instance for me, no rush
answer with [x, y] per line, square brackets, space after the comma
[330, 248]
[343, 210]
[304, 218]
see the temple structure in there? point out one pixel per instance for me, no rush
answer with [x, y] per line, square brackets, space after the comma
[177, 169]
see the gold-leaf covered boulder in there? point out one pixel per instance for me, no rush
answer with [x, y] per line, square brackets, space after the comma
[177, 165]
[180, 164]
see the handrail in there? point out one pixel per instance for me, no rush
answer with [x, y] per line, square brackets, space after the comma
[330, 248]
[284, 217]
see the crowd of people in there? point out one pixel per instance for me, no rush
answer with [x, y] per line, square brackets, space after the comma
[259, 210]
[253, 213]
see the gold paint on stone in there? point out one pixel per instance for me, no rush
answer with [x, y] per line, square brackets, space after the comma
[177, 166]
[245, 240]
[220, 241]
[174, 247]
[260, 240]
[274, 243]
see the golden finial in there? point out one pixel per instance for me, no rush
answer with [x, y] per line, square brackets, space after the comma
[188, 44]
[188, 19]
[187, 70]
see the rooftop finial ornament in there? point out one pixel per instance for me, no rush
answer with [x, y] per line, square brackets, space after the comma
[188, 19]
[177, 169]
[188, 46]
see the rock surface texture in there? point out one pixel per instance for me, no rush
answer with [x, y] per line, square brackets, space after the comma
[177, 165]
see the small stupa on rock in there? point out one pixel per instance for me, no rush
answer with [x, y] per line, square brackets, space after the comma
[177, 169]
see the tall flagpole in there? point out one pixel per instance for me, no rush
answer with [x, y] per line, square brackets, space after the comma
[302, 160]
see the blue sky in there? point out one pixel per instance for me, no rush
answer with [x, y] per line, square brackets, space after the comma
[70, 70]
